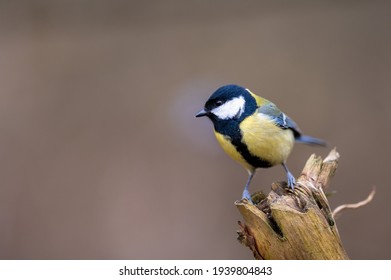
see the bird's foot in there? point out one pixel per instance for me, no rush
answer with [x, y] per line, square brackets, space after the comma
[291, 180]
[246, 195]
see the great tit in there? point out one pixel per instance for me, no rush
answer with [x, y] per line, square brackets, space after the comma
[253, 131]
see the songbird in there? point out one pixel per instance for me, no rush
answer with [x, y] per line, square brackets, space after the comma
[253, 131]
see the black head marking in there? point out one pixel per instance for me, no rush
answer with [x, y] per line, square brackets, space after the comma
[226, 94]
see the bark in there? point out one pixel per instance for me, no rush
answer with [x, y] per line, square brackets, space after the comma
[297, 224]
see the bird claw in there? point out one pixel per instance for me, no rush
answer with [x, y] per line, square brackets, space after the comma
[291, 181]
[246, 195]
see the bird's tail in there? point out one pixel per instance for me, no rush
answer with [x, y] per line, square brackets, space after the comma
[310, 140]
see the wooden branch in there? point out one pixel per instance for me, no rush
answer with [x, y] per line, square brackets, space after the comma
[294, 224]
[359, 204]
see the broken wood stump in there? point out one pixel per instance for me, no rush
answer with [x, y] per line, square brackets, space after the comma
[297, 224]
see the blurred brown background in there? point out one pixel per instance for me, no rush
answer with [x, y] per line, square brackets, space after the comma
[102, 158]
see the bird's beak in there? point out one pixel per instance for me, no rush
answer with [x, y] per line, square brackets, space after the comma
[201, 113]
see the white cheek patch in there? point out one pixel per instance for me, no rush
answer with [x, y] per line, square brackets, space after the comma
[233, 108]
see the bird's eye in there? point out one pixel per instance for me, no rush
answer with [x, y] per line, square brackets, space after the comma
[219, 102]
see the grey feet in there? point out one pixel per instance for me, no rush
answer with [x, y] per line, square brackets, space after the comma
[291, 181]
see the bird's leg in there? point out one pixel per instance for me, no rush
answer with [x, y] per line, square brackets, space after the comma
[291, 180]
[246, 193]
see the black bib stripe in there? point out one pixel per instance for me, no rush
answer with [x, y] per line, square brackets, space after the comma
[232, 131]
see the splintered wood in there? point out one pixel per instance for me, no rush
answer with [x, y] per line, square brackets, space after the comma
[295, 224]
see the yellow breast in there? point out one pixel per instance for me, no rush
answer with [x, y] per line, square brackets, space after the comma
[266, 140]
[230, 149]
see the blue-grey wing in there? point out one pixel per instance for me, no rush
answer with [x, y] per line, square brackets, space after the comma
[279, 118]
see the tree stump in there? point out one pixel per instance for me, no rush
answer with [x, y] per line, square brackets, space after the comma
[294, 224]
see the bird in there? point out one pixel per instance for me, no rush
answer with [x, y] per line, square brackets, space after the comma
[253, 131]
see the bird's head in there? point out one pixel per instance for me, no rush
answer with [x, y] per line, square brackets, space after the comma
[229, 102]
